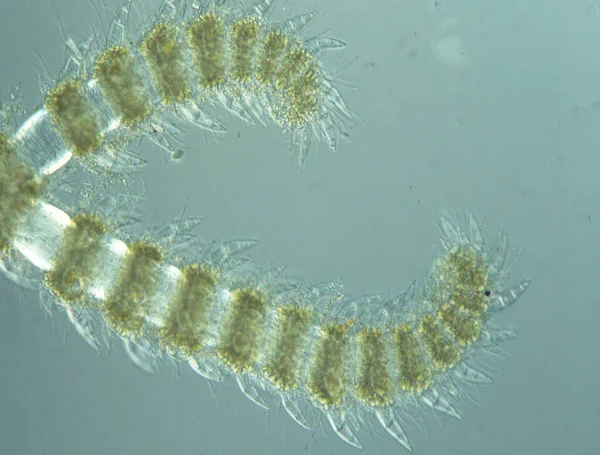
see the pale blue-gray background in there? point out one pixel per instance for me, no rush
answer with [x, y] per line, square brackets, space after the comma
[508, 126]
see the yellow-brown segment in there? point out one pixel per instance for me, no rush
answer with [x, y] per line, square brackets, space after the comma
[74, 118]
[77, 259]
[274, 46]
[242, 334]
[165, 55]
[465, 276]
[127, 304]
[206, 36]
[327, 379]
[19, 190]
[244, 42]
[122, 85]
[291, 337]
[294, 64]
[414, 372]
[375, 386]
[188, 315]
[464, 327]
[304, 98]
[442, 351]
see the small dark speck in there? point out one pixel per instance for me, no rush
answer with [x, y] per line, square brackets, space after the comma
[370, 65]
[488, 293]
[239, 134]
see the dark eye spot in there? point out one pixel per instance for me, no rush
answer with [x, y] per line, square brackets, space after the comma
[488, 293]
